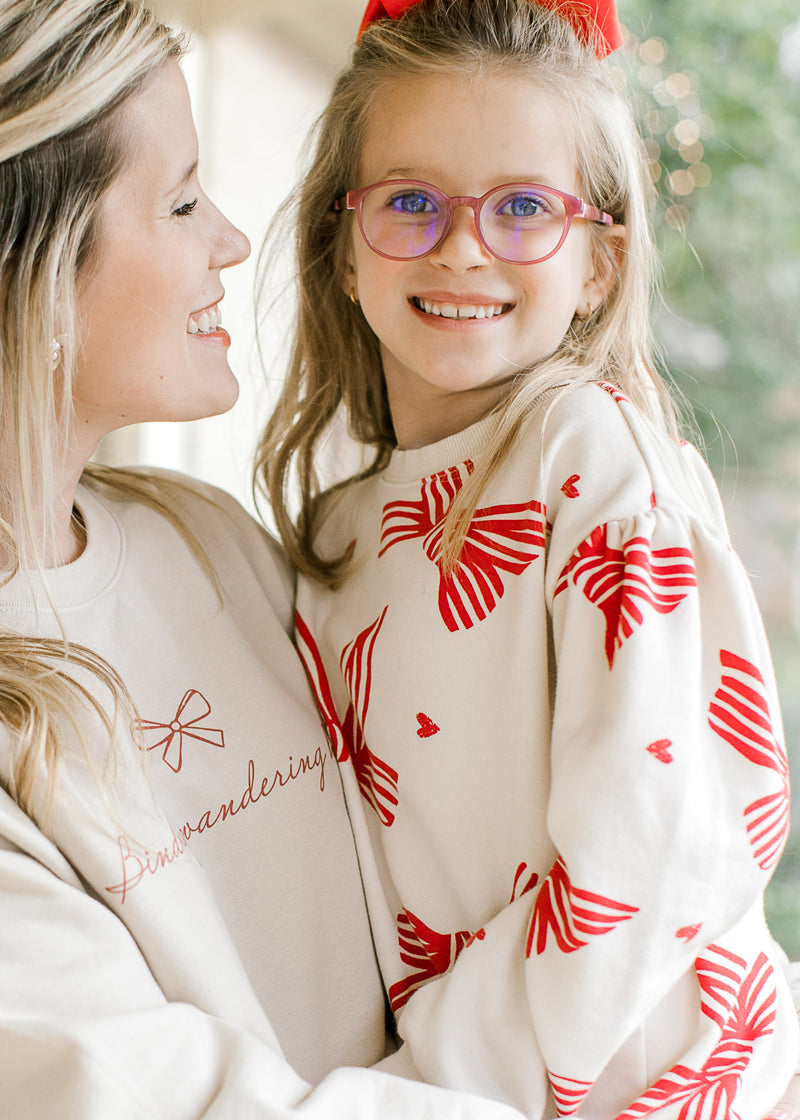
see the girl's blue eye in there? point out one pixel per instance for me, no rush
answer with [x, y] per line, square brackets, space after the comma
[523, 206]
[412, 202]
[185, 210]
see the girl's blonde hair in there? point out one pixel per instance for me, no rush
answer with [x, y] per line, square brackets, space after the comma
[335, 363]
[67, 68]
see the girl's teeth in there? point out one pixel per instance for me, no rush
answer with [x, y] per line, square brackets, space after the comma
[466, 311]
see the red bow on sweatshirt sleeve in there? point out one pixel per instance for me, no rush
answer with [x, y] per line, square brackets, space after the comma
[595, 21]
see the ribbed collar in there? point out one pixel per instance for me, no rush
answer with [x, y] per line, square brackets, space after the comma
[76, 584]
[407, 466]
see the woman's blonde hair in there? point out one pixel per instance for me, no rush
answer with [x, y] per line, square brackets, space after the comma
[335, 363]
[67, 68]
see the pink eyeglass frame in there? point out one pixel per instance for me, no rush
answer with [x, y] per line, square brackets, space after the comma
[575, 208]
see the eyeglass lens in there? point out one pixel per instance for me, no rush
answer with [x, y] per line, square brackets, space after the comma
[517, 223]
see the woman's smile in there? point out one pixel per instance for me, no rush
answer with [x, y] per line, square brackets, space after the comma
[206, 326]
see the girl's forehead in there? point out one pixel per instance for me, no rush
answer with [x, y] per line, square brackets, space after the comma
[440, 87]
[485, 123]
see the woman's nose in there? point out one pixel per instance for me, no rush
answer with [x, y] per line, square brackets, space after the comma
[231, 247]
[462, 248]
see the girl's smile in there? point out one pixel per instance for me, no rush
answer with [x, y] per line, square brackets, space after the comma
[452, 312]
[456, 326]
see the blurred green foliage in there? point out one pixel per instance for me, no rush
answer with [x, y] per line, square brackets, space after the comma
[717, 94]
[717, 89]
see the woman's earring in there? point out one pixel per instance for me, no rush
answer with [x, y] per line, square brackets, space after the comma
[589, 311]
[353, 297]
[56, 350]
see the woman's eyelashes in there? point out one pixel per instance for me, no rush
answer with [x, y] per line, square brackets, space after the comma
[186, 209]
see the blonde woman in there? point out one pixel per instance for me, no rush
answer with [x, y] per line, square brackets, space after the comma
[182, 926]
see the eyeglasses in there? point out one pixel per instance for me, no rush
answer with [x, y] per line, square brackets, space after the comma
[520, 223]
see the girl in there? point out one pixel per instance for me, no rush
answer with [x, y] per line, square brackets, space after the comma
[531, 642]
[150, 956]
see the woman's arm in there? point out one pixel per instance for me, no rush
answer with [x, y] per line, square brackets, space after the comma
[86, 1032]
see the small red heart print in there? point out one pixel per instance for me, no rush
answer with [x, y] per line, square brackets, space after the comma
[688, 932]
[426, 726]
[479, 935]
[569, 488]
[660, 750]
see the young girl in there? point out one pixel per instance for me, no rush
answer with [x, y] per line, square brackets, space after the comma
[533, 647]
[183, 930]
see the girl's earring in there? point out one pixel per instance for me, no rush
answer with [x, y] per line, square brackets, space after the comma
[353, 297]
[56, 350]
[589, 311]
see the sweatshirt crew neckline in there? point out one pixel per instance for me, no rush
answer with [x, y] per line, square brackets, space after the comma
[406, 466]
[86, 578]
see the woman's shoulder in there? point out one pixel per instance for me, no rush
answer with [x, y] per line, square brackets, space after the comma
[124, 487]
[187, 514]
[166, 497]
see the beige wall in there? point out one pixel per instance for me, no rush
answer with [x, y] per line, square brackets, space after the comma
[318, 29]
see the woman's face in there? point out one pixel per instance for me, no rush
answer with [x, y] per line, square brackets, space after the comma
[149, 345]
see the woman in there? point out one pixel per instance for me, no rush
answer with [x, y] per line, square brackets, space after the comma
[183, 924]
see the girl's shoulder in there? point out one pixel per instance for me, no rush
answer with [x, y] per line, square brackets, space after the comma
[597, 413]
[595, 442]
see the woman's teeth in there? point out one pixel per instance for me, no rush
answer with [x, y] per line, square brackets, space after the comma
[465, 311]
[203, 322]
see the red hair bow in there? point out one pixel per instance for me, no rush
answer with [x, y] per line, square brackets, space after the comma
[595, 21]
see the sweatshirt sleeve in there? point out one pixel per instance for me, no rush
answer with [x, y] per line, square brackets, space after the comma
[667, 810]
[86, 1033]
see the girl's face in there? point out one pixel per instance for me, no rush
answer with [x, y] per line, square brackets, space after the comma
[466, 136]
[149, 345]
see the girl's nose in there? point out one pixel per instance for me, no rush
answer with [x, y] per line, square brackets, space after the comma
[462, 249]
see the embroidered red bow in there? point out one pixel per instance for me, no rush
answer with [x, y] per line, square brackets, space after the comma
[192, 709]
[595, 21]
